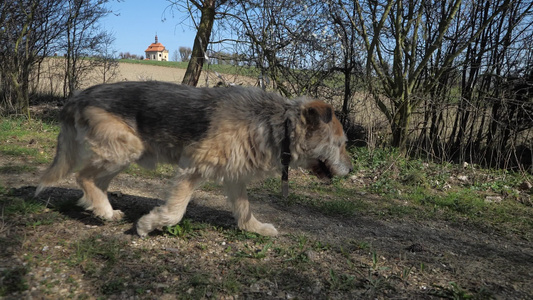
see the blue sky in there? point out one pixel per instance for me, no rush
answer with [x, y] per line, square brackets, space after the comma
[138, 21]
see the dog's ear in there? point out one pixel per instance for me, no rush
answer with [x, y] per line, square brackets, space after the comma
[317, 112]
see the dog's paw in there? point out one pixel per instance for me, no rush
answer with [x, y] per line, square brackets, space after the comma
[144, 226]
[117, 215]
[143, 229]
[141, 232]
[109, 215]
[267, 230]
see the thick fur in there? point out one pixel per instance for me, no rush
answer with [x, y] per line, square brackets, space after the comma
[230, 135]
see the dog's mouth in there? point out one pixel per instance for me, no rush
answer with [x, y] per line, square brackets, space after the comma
[321, 170]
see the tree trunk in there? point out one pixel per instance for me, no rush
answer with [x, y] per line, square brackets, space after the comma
[347, 95]
[196, 63]
[400, 124]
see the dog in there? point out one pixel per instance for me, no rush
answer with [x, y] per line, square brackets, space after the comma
[230, 135]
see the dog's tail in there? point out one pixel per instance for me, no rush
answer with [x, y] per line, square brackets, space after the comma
[65, 159]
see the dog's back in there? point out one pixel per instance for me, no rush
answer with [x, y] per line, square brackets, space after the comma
[153, 109]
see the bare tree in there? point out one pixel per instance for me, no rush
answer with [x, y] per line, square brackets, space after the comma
[81, 39]
[493, 109]
[185, 53]
[27, 33]
[34, 30]
[348, 57]
[106, 61]
[287, 41]
[207, 10]
[399, 49]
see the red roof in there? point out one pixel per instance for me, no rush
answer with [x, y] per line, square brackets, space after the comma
[155, 47]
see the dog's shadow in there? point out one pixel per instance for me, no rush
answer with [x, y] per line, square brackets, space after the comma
[65, 200]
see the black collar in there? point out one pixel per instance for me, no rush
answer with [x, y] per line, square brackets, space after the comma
[285, 160]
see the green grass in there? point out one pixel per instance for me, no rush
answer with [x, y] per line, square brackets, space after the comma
[30, 211]
[97, 248]
[408, 185]
[455, 291]
[13, 280]
[32, 140]
[170, 64]
[235, 234]
[16, 206]
[16, 169]
[222, 69]
[417, 189]
[186, 229]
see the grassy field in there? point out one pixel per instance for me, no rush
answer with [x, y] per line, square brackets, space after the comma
[395, 227]
[171, 64]
[223, 69]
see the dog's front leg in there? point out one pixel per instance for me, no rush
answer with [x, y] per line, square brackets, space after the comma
[174, 209]
[238, 200]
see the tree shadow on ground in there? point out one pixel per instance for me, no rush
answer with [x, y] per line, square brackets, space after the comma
[64, 201]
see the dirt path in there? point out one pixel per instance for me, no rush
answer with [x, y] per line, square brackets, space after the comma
[442, 261]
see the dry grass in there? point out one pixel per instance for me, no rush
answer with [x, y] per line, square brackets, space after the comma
[50, 80]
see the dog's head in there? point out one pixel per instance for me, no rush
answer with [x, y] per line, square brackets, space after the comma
[324, 144]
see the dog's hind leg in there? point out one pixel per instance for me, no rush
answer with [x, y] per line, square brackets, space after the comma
[174, 209]
[109, 146]
[238, 199]
[94, 182]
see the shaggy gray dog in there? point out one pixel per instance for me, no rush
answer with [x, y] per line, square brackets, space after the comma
[231, 135]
